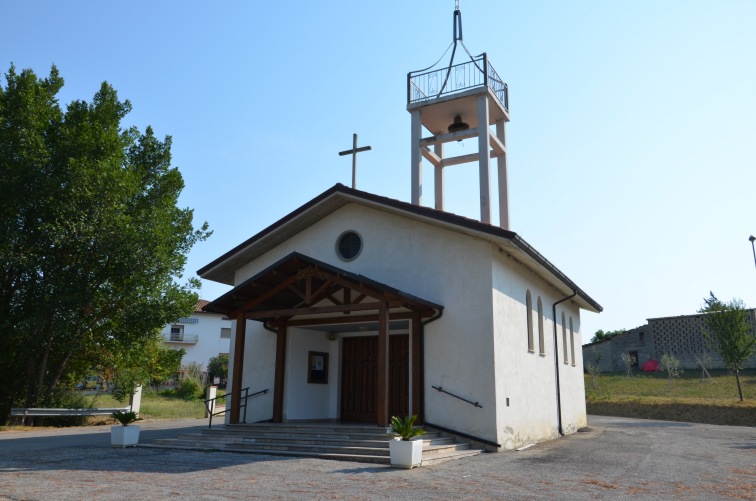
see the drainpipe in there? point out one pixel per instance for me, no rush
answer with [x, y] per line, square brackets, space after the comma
[556, 361]
[422, 351]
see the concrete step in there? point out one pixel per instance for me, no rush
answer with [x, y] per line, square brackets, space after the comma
[333, 456]
[302, 434]
[267, 438]
[353, 443]
[450, 456]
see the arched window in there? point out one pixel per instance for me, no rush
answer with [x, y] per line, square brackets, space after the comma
[541, 340]
[572, 342]
[529, 310]
[564, 340]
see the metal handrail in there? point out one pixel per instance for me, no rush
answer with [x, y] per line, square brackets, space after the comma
[462, 434]
[476, 404]
[242, 403]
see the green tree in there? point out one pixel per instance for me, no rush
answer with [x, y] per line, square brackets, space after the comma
[91, 237]
[600, 335]
[728, 332]
[218, 367]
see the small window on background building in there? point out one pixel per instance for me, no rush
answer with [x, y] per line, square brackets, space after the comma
[572, 342]
[529, 312]
[541, 340]
[177, 332]
[225, 332]
[641, 338]
[564, 341]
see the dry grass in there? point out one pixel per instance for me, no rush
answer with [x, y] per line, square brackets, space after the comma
[688, 398]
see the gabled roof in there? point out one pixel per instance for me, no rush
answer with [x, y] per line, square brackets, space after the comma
[200, 304]
[223, 269]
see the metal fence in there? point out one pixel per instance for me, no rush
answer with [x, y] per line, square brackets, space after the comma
[475, 73]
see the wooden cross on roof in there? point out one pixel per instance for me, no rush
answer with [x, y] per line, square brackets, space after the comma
[354, 152]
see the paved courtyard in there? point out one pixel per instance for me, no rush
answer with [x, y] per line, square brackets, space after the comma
[618, 459]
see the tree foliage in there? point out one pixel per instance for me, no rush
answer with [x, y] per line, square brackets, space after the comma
[729, 333]
[218, 367]
[600, 335]
[91, 238]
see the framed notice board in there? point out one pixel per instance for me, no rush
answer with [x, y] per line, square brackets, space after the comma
[317, 367]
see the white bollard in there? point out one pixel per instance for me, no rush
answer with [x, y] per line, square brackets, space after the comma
[211, 393]
[136, 400]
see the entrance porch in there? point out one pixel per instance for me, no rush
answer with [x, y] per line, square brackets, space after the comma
[378, 368]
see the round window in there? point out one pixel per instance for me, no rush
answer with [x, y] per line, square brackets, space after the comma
[348, 245]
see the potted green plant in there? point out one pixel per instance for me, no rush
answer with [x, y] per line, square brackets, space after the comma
[405, 452]
[125, 434]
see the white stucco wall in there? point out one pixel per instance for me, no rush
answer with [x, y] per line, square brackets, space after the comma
[527, 379]
[303, 400]
[258, 372]
[477, 349]
[435, 264]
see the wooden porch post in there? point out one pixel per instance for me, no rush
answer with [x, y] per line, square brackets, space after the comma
[241, 328]
[278, 385]
[417, 368]
[381, 403]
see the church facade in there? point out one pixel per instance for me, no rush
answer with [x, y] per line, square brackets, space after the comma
[357, 307]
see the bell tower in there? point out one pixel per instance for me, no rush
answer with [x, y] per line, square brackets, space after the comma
[456, 102]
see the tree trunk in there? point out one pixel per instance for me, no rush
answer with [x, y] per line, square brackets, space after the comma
[53, 383]
[737, 378]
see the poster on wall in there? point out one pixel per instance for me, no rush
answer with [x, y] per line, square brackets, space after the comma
[317, 369]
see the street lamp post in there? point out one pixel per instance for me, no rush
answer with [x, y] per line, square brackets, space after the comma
[752, 238]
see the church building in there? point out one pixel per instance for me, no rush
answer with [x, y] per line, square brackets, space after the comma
[356, 307]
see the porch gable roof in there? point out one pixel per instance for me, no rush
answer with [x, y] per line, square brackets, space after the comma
[300, 286]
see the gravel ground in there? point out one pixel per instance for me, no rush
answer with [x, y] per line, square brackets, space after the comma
[619, 458]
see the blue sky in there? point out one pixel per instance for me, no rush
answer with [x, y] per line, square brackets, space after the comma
[631, 145]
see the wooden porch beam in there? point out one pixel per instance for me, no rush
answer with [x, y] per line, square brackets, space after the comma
[347, 298]
[305, 322]
[267, 294]
[359, 299]
[382, 386]
[278, 385]
[236, 385]
[316, 310]
[297, 292]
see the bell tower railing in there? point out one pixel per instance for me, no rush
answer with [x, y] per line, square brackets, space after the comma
[478, 72]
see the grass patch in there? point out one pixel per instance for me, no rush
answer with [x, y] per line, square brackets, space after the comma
[155, 406]
[687, 398]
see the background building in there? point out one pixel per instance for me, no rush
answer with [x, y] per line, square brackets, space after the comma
[680, 336]
[202, 335]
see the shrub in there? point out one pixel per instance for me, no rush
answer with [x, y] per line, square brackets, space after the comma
[189, 389]
[68, 400]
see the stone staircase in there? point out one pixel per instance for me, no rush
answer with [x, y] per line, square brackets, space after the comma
[347, 442]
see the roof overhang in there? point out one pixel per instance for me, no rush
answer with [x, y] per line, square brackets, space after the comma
[509, 243]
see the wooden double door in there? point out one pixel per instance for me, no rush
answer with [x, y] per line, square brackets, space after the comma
[359, 378]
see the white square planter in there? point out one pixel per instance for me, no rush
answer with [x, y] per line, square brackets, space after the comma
[406, 454]
[124, 436]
